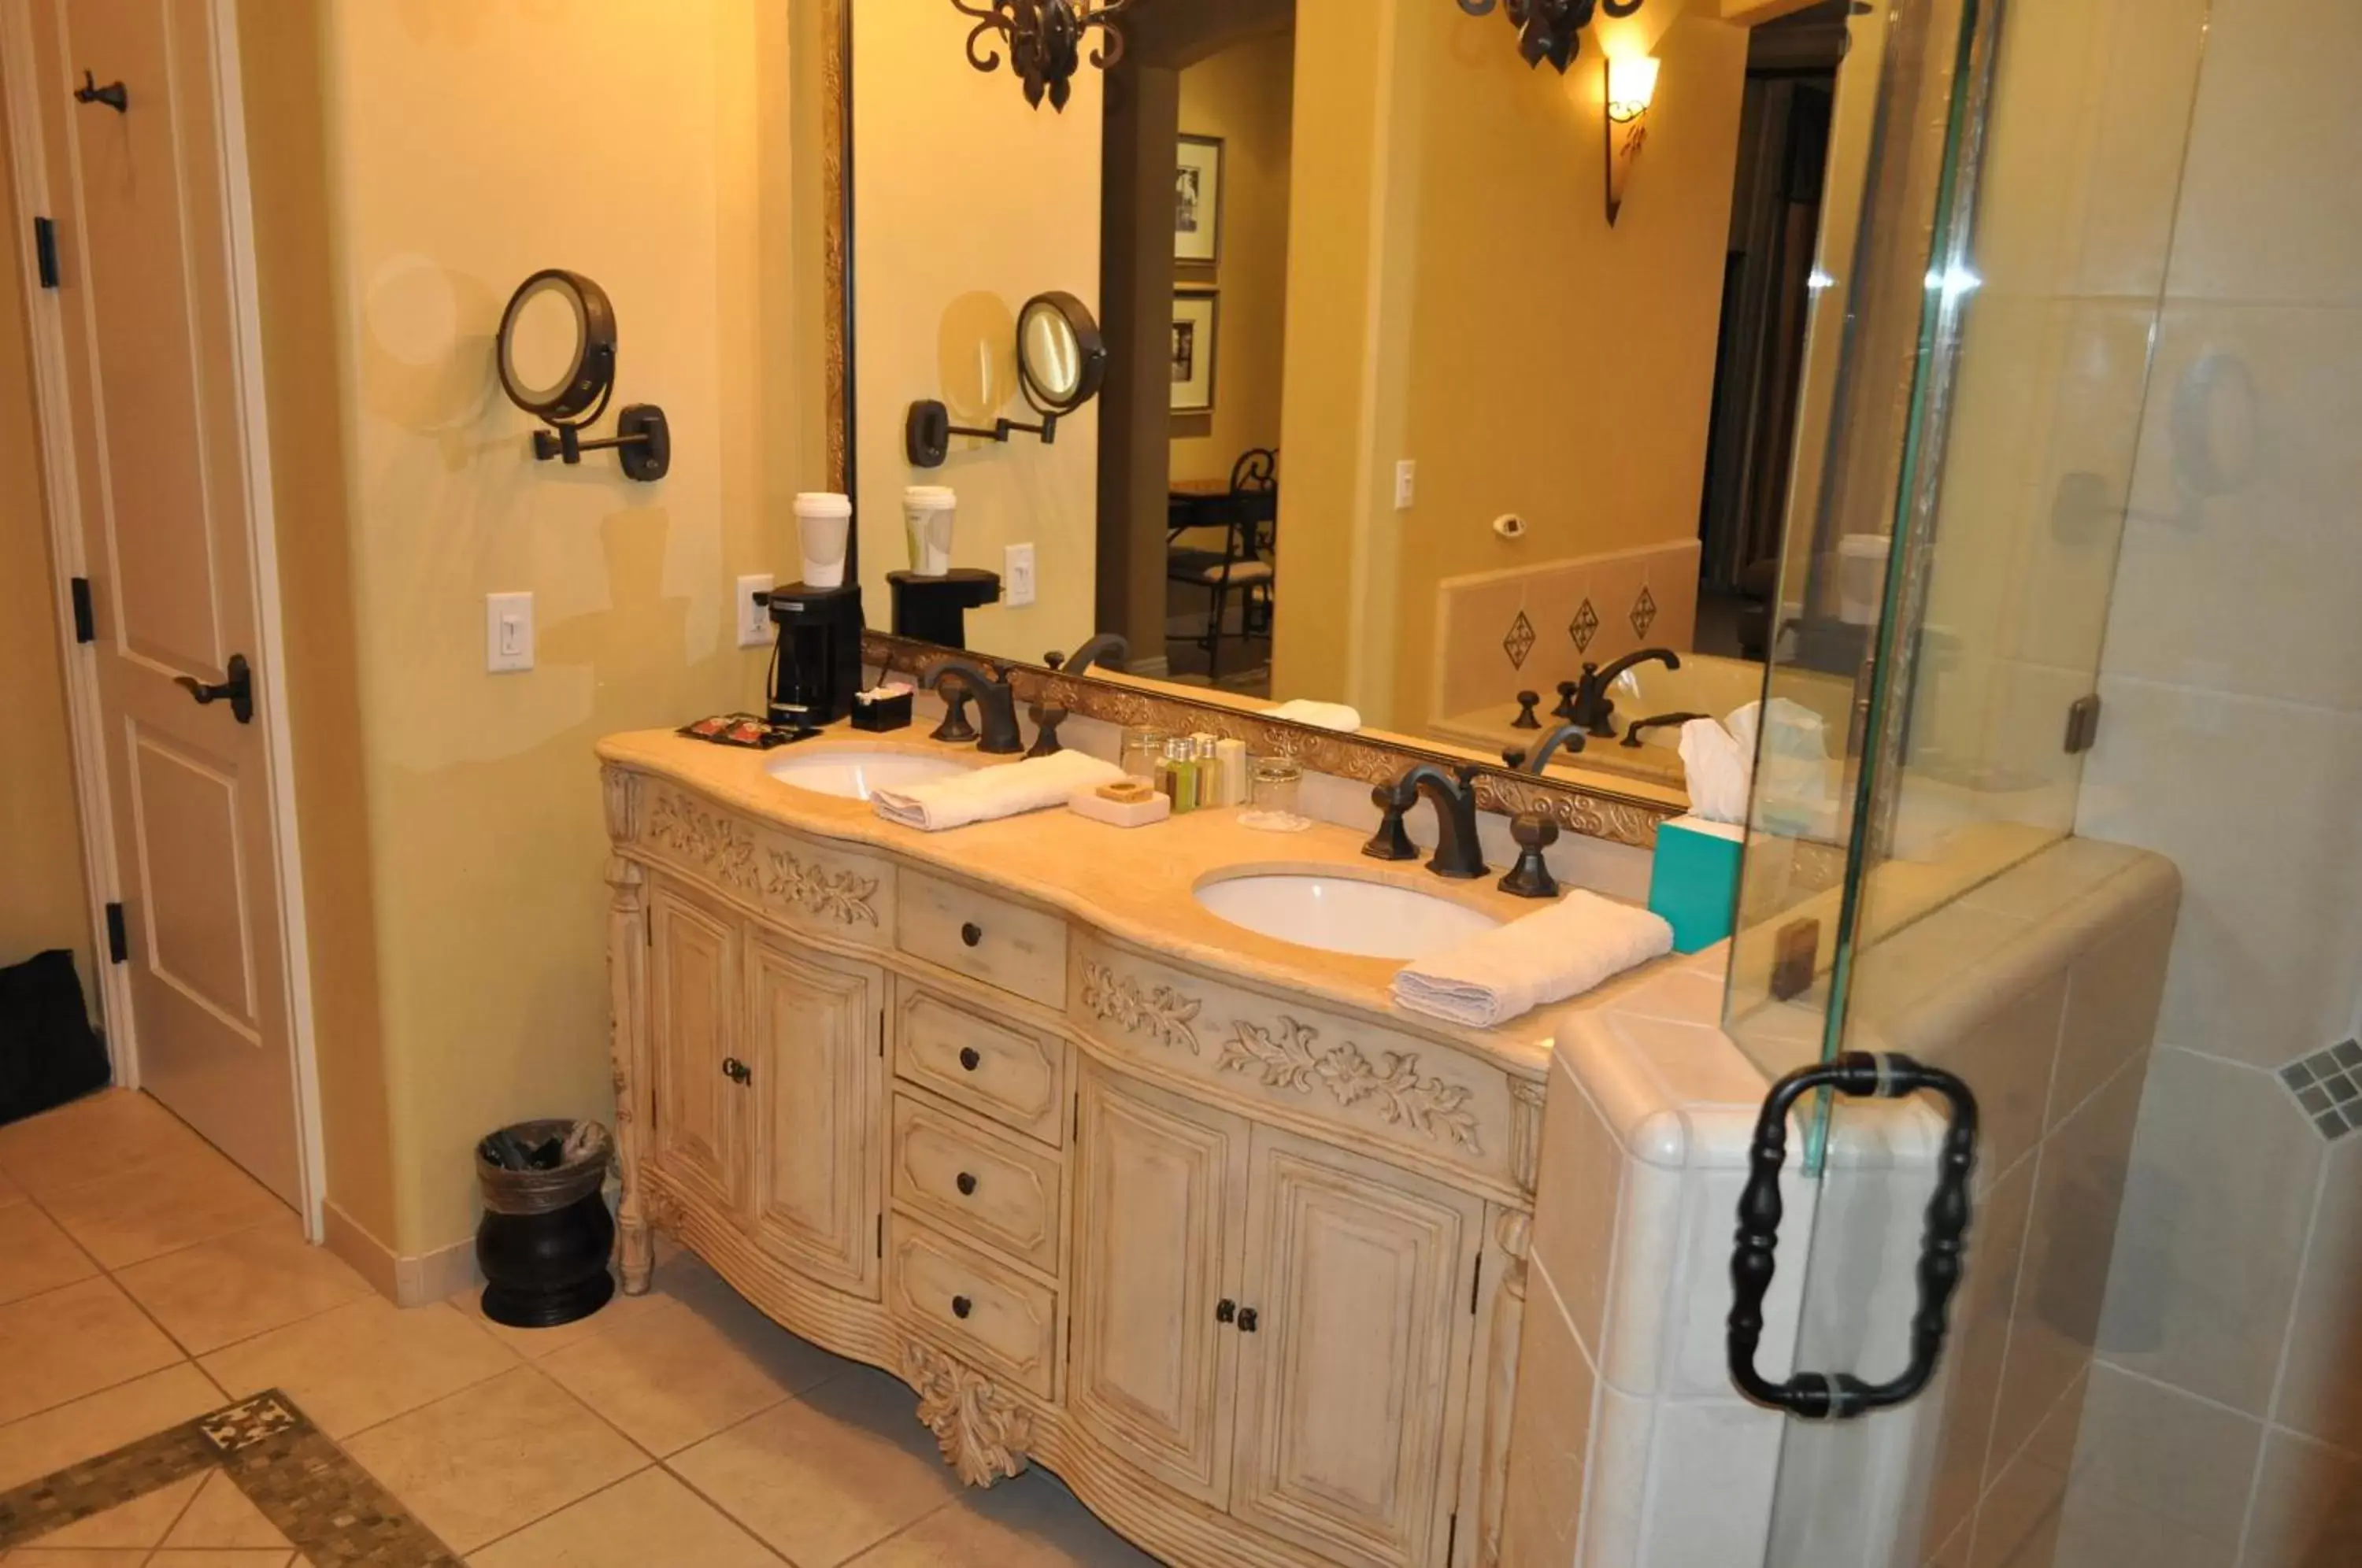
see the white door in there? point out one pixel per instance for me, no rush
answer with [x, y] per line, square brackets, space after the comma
[159, 486]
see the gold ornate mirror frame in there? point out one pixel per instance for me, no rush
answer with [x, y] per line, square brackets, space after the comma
[1597, 806]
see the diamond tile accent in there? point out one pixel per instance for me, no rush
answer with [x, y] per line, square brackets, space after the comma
[1644, 614]
[243, 1426]
[1520, 642]
[2328, 1089]
[1583, 627]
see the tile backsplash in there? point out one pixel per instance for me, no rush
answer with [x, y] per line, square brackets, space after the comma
[1531, 627]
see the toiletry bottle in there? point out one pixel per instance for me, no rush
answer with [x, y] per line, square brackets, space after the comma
[1210, 773]
[1178, 778]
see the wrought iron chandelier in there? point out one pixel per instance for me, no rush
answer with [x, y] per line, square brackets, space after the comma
[1547, 29]
[1045, 40]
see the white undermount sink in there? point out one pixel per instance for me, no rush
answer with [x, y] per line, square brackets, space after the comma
[856, 775]
[1343, 914]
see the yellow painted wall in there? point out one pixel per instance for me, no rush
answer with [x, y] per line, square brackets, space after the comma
[1242, 94]
[1526, 356]
[966, 202]
[43, 903]
[453, 173]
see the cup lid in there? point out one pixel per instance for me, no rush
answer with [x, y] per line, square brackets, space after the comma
[929, 495]
[824, 503]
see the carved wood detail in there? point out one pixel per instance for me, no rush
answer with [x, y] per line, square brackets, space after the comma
[983, 1433]
[714, 841]
[1163, 1011]
[1524, 1132]
[841, 896]
[1287, 1057]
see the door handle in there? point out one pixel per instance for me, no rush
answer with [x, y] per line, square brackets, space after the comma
[239, 689]
[1837, 1395]
[736, 1071]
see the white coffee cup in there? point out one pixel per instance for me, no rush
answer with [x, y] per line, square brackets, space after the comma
[928, 513]
[823, 522]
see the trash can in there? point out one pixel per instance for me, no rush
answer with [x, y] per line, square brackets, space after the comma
[546, 1234]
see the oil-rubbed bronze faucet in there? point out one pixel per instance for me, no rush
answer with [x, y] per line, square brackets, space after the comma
[1534, 833]
[1109, 650]
[996, 702]
[1591, 706]
[1458, 854]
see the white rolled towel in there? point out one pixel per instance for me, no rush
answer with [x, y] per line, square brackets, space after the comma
[1547, 956]
[1320, 716]
[990, 792]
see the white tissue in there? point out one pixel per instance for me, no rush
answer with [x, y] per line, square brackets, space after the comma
[1719, 770]
[1797, 784]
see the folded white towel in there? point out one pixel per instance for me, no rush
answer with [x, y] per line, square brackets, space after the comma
[1547, 956]
[1320, 716]
[990, 792]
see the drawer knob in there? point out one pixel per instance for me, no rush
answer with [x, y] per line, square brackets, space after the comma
[967, 1185]
[962, 1305]
[971, 933]
[1248, 1318]
[736, 1071]
[1225, 1310]
[969, 1060]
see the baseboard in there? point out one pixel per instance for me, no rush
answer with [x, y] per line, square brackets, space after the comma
[413, 1281]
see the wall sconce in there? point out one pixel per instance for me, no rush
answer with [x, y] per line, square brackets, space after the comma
[1045, 39]
[1632, 87]
[1547, 29]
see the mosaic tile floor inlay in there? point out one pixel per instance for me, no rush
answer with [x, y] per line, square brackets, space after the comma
[311, 1490]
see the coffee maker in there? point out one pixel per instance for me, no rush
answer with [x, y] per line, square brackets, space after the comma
[816, 667]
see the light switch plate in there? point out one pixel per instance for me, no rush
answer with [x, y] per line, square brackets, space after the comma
[1405, 484]
[1017, 576]
[753, 620]
[508, 632]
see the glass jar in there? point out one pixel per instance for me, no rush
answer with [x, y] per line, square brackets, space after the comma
[1143, 748]
[1278, 785]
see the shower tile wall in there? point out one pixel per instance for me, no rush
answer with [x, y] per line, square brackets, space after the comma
[2225, 1416]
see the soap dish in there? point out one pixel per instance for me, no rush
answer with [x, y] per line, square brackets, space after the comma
[1119, 813]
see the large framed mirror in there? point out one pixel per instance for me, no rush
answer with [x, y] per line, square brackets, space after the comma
[1396, 412]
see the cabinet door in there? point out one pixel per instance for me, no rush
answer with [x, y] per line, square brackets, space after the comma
[693, 1033]
[1160, 1194]
[1350, 1385]
[817, 1149]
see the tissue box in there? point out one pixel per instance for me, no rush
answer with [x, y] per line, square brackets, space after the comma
[1693, 882]
[883, 713]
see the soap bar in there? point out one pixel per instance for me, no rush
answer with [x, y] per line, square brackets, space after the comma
[1127, 792]
[1093, 803]
[1694, 881]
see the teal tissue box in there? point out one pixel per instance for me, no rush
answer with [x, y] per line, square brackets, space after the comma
[1693, 882]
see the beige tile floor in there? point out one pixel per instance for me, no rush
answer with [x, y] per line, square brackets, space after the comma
[145, 1280]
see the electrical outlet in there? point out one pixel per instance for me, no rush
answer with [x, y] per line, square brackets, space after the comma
[1406, 485]
[1017, 576]
[753, 620]
[508, 632]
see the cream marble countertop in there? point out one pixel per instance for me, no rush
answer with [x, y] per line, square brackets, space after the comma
[1134, 884]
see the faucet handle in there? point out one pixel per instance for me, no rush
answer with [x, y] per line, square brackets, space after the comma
[1525, 719]
[1513, 757]
[1566, 695]
[1531, 876]
[1392, 841]
[954, 728]
[1054, 659]
[1045, 734]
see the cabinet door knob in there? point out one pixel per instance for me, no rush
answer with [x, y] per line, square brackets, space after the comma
[971, 933]
[1247, 1319]
[736, 1071]
[969, 1060]
[1225, 1310]
[962, 1305]
[967, 1185]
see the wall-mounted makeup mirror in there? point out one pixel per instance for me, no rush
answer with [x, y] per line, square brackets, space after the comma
[555, 351]
[1060, 360]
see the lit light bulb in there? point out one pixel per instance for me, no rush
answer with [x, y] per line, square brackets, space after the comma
[1631, 86]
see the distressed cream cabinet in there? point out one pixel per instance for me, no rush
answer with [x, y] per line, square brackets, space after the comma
[1245, 1269]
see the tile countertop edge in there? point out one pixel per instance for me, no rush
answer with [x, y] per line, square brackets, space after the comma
[737, 779]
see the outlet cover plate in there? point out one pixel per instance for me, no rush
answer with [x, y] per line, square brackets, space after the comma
[753, 620]
[1017, 576]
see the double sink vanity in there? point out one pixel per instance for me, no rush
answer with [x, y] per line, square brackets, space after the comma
[1108, 1142]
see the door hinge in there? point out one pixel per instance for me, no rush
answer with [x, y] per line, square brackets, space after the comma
[1078, 1113]
[1475, 1284]
[118, 935]
[881, 1235]
[1452, 1539]
[85, 617]
[45, 251]
[881, 1031]
[2083, 724]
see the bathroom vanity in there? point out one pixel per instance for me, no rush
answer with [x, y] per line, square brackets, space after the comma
[1189, 1215]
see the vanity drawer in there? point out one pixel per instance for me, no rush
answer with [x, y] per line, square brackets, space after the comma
[1010, 1075]
[980, 1185]
[981, 1311]
[1019, 949]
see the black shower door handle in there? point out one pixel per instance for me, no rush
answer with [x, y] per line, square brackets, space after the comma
[1837, 1395]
